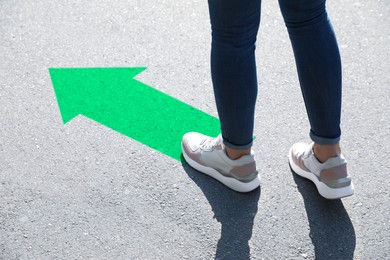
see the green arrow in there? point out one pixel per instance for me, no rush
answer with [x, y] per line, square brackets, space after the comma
[112, 97]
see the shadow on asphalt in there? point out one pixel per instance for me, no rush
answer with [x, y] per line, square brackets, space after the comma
[331, 229]
[235, 211]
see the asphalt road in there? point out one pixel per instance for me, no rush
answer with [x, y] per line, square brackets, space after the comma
[83, 191]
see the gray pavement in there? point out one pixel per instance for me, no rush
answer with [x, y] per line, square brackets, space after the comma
[83, 191]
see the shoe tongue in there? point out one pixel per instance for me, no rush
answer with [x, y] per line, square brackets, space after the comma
[219, 140]
[309, 149]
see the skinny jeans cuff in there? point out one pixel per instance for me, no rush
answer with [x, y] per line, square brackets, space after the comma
[237, 147]
[324, 140]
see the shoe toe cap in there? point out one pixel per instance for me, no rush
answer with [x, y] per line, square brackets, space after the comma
[192, 140]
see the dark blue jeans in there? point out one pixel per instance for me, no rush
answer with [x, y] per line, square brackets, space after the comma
[235, 24]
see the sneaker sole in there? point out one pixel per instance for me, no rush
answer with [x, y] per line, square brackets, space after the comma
[229, 182]
[323, 190]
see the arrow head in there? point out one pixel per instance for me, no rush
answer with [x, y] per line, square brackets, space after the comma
[85, 90]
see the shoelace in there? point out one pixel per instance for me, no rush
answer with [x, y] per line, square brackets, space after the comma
[304, 153]
[208, 143]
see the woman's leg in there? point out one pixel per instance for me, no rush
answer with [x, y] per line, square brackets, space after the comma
[318, 64]
[235, 25]
[319, 70]
[228, 157]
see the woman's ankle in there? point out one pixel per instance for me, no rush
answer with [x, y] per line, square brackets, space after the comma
[235, 154]
[324, 152]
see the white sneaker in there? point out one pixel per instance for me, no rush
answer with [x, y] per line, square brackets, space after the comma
[208, 156]
[331, 177]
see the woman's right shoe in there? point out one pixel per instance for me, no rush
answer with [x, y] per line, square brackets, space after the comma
[331, 177]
